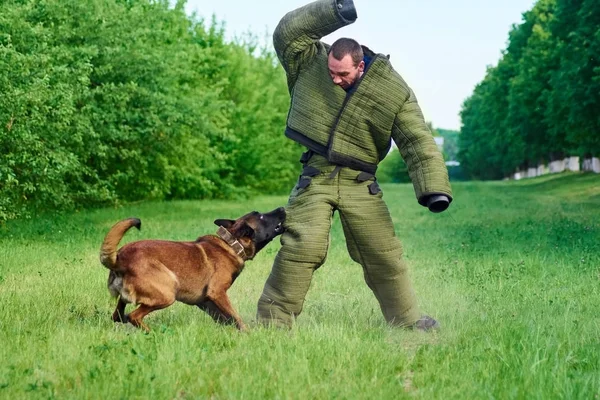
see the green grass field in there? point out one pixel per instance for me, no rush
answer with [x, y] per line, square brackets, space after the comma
[511, 270]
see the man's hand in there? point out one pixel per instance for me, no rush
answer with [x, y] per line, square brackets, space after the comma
[438, 203]
[346, 9]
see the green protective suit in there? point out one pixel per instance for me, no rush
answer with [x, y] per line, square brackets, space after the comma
[347, 134]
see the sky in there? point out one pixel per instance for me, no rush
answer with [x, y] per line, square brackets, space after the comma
[440, 47]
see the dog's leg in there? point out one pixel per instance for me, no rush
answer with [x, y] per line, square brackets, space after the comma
[211, 309]
[119, 314]
[224, 305]
[137, 315]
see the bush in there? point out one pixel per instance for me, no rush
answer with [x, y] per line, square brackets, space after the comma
[111, 101]
[393, 169]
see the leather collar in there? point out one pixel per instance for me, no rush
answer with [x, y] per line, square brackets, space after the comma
[231, 241]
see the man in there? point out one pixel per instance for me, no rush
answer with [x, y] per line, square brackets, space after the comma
[347, 104]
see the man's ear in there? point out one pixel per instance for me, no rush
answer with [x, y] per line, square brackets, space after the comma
[361, 66]
[225, 223]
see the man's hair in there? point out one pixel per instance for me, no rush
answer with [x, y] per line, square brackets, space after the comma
[344, 46]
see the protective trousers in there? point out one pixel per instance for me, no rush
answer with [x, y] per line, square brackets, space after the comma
[370, 238]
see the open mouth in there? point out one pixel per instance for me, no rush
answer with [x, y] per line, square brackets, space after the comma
[279, 228]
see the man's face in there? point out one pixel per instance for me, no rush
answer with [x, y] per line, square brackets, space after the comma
[343, 72]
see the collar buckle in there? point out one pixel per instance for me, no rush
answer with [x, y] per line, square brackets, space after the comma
[231, 241]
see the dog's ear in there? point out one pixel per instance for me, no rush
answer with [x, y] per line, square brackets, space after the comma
[245, 231]
[225, 223]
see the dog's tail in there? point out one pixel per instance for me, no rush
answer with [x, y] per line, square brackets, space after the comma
[108, 251]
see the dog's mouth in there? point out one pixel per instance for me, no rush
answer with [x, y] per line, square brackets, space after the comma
[279, 228]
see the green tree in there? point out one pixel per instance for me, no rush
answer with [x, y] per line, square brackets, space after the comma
[450, 143]
[541, 102]
[107, 101]
[574, 102]
[530, 87]
[488, 150]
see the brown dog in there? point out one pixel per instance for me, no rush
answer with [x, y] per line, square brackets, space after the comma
[155, 273]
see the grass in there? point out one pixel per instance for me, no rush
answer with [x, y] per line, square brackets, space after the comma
[511, 270]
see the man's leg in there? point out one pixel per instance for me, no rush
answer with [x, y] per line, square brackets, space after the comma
[304, 248]
[372, 242]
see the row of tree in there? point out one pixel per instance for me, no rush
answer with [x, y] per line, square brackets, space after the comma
[542, 101]
[117, 100]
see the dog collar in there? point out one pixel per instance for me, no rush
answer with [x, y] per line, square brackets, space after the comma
[235, 245]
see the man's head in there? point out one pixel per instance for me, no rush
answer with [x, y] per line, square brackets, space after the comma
[345, 62]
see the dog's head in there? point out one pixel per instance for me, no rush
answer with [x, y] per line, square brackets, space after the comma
[255, 230]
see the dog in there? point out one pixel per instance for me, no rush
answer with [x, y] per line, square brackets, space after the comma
[153, 274]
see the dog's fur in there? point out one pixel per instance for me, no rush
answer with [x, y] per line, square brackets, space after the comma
[155, 273]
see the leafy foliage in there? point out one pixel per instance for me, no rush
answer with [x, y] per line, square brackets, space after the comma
[393, 169]
[107, 101]
[450, 148]
[540, 102]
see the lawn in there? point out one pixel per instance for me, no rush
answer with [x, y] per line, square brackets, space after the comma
[511, 271]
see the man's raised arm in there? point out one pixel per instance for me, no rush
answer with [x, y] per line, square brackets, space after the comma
[297, 36]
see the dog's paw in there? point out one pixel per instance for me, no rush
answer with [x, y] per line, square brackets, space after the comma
[123, 319]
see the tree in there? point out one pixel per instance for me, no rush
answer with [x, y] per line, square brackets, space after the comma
[107, 101]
